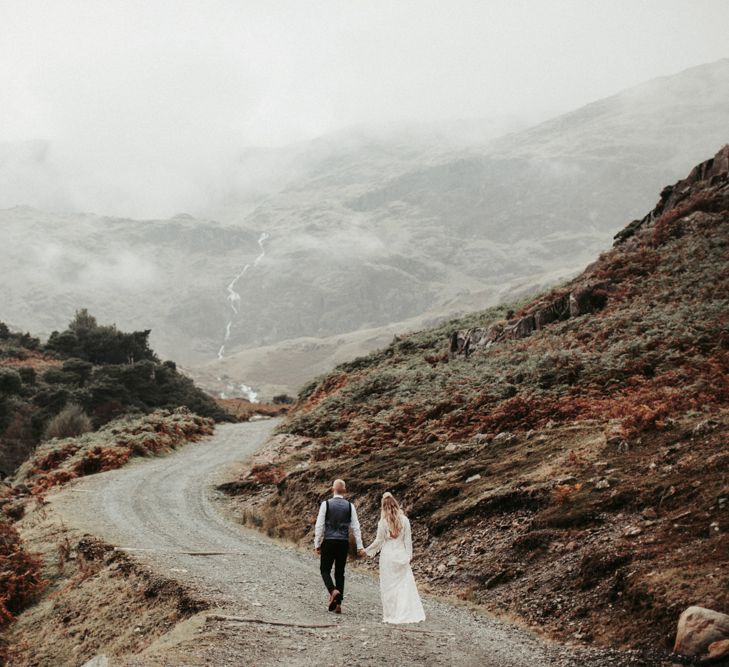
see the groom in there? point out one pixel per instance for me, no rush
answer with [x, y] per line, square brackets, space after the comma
[331, 541]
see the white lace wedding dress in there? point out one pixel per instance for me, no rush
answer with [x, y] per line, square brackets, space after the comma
[400, 600]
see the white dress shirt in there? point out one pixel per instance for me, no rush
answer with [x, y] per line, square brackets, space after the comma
[321, 519]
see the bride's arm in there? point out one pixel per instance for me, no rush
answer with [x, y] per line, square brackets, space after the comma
[407, 537]
[379, 540]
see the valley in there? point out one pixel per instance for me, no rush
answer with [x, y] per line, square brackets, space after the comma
[368, 232]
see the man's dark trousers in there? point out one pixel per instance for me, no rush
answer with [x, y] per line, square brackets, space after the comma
[334, 552]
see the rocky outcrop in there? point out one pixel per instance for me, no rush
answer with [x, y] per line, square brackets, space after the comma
[698, 629]
[712, 172]
[583, 299]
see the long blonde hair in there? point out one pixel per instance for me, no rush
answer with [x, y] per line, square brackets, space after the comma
[391, 513]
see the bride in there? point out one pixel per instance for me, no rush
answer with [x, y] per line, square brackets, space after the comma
[400, 599]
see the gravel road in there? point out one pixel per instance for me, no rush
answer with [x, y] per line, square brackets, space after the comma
[164, 509]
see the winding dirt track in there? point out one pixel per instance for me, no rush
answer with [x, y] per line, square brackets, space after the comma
[164, 509]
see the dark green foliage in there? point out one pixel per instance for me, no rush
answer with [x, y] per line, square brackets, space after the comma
[58, 376]
[79, 369]
[27, 374]
[64, 343]
[51, 398]
[87, 375]
[10, 381]
[102, 345]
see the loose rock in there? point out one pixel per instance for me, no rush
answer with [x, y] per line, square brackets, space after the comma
[698, 628]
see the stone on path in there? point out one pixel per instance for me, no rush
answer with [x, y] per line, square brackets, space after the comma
[699, 627]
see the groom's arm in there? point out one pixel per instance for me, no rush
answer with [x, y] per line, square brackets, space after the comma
[319, 527]
[354, 524]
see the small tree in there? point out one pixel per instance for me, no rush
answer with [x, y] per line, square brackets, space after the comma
[65, 343]
[69, 422]
[83, 322]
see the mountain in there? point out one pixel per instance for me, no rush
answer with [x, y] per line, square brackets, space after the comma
[364, 229]
[374, 247]
[562, 459]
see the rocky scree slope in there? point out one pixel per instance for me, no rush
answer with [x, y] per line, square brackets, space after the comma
[567, 466]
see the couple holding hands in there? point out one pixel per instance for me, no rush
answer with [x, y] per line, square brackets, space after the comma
[400, 600]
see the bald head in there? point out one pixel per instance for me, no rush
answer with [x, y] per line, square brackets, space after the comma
[339, 486]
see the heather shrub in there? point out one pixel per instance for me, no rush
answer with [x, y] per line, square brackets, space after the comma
[70, 422]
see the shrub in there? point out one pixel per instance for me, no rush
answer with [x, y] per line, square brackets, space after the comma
[27, 374]
[58, 376]
[70, 422]
[79, 369]
[10, 382]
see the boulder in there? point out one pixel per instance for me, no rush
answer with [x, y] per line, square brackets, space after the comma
[587, 299]
[698, 628]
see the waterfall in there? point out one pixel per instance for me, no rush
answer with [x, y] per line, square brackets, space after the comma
[234, 296]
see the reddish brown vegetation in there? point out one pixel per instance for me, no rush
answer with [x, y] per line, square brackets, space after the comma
[20, 578]
[39, 361]
[58, 461]
[330, 385]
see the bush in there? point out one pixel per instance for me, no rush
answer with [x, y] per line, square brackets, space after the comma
[80, 370]
[70, 422]
[64, 343]
[10, 382]
[58, 376]
[27, 374]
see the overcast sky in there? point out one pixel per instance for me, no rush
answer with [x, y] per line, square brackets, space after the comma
[133, 81]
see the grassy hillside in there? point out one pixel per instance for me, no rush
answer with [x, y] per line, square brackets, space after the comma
[80, 379]
[568, 465]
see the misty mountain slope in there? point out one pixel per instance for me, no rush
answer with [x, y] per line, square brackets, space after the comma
[648, 123]
[531, 205]
[520, 206]
[167, 275]
[367, 229]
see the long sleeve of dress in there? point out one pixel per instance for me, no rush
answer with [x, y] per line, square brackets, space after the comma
[407, 537]
[379, 540]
